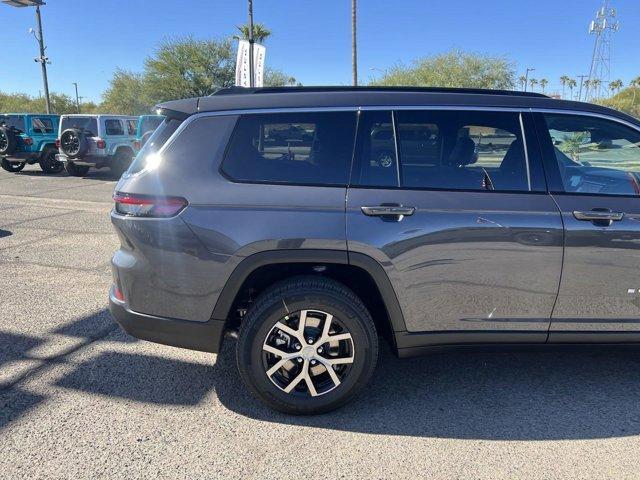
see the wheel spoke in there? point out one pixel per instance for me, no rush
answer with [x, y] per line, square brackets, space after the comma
[339, 360]
[297, 380]
[326, 327]
[311, 386]
[275, 351]
[338, 337]
[276, 367]
[289, 331]
[301, 324]
[333, 375]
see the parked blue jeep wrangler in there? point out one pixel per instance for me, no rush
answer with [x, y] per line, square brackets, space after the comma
[28, 138]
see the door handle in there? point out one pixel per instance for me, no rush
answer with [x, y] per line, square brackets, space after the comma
[598, 215]
[388, 211]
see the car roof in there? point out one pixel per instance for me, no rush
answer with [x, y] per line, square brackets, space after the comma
[31, 114]
[326, 97]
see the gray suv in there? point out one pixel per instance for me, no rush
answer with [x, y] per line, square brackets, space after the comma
[270, 214]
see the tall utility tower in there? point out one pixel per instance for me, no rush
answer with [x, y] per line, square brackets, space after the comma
[603, 27]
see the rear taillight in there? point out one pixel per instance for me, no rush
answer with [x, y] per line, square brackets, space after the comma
[117, 293]
[28, 141]
[57, 143]
[101, 144]
[148, 206]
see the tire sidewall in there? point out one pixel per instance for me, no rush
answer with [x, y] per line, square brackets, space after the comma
[82, 143]
[12, 142]
[49, 164]
[12, 167]
[249, 351]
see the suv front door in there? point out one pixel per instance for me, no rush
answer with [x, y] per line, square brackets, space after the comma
[461, 222]
[594, 174]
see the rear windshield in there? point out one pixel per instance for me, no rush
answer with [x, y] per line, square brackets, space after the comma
[42, 125]
[15, 121]
[89, 124]
[154, 144]
[149, 124]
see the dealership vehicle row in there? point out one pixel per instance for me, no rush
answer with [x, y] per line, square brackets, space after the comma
[72, 142]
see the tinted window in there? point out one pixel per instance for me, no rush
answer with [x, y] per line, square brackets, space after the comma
[595, 155]
[113, 127]
[15, 121]
[155, 142]
[462, 150]
[149, 124]
[42, 125]
[297, 148]
[376, 163]
[88, 124]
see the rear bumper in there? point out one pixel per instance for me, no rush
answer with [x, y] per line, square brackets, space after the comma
[22, 157]
[87, 161]
[202, 336]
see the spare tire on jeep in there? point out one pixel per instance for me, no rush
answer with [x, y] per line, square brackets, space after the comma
[73, 143]
[8, 141]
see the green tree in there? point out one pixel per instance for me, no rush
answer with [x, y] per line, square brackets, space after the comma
[571, 83]
[635, 85]
[564, 80]
[24, 103]
[277, 78]
[616, 85]
[260, 32]
[533, 82]
[189, 68]
[543, 84]
[522, 80]
[127, 94]
[452, 69]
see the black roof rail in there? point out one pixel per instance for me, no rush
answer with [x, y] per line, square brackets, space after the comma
[320, 89]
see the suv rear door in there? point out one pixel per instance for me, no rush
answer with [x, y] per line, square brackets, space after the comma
[593, 163]
[476, 247]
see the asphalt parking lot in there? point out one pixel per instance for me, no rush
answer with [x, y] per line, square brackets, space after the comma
[81, 399]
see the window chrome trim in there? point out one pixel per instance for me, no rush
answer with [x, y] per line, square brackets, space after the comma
[392, 108]
[526, 150]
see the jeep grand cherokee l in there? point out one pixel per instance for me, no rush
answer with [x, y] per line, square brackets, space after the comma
[494, 218]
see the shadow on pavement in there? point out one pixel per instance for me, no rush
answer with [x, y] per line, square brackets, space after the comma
[102, 174]
[15, 346]
[17, 404]
[5, 233]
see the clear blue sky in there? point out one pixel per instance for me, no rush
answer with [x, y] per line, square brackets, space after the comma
[87, 39]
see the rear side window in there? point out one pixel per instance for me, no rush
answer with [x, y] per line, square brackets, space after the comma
[42, 125]
[313, 148]
[132, 127]
[88, 124]
[113, 127]
[148, 155]
[453, 150]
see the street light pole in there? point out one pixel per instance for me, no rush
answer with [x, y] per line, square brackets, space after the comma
[526, 81]
[581, 77]
[77, 98]
[354, 45]
[251, 79]
[43, 59]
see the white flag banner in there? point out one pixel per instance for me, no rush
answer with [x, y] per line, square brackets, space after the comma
[259, 52]
[242, 64]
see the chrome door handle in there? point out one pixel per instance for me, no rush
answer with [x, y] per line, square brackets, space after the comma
[598, 215]
[388, 211]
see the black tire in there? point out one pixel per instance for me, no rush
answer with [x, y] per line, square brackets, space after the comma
[48, 162]
[282, 302]
[11, 167]
[8, 141]
[121, 161]
[76, 170]
[73, 143]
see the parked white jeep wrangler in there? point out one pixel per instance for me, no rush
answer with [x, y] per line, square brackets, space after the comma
[98, 141]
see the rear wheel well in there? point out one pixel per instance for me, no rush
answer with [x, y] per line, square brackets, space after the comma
[355, 278]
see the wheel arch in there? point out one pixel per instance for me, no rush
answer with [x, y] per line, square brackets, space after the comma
[359, 272]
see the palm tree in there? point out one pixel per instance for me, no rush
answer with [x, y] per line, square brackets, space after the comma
[595, 85]
[523, 82]
[564, 79]
[543, 83]
[260, 32]
[354, 47]
[571, 83]
[616, 85]
[533, 82]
